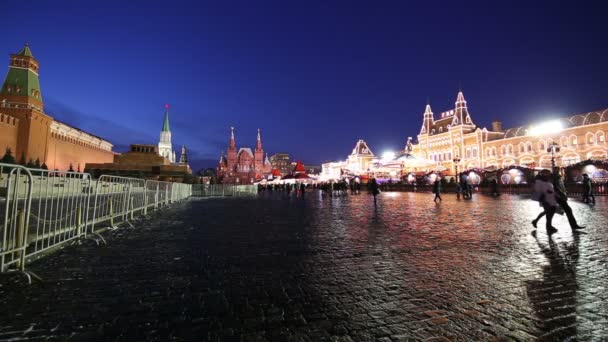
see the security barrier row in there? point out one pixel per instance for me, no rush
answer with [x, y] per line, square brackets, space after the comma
[223, 190]
[42, 209]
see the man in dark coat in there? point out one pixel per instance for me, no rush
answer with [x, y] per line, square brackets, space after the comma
[588, 196]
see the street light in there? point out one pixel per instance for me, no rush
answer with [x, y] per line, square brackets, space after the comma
[456, 161]
[553, 149]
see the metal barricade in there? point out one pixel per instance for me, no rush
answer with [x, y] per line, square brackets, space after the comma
[223, 190]
[116, 198]
[180, 191]
[59, 211]
[42, 209]
[15, 207]
[157, 194]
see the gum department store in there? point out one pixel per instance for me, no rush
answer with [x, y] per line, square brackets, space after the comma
[454, 142]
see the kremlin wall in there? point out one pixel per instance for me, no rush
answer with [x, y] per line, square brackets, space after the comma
[31, 134]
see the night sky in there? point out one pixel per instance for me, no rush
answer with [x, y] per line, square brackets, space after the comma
[314, 76]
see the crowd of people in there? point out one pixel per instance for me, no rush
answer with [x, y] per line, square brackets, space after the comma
[548, 189]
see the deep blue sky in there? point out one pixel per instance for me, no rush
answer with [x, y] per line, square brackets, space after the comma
[314, 76]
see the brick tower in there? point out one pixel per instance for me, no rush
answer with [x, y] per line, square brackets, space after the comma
[258, 161]
[232, 153]
[20, 97]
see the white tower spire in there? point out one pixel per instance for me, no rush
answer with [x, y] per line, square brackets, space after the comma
[165, 148]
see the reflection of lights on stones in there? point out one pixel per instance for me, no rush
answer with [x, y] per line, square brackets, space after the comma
[411, 178]
[517, 179]
[505, 178]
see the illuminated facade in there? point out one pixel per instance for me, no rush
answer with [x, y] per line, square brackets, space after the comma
[454, 142]
[243, 166]
[357, 163]
[165, 147]
[33, 135]
[362, 161]
[455, 136]
[281, 162]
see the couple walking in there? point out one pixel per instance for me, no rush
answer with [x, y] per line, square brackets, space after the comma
[550, 192]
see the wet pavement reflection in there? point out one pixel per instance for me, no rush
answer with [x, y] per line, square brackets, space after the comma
[287, 268]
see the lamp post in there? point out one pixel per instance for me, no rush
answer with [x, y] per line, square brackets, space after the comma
[553, 149]
[456, 161]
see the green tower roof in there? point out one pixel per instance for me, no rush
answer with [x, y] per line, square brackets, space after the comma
[166, 122]
[22, 81]
[26, 51]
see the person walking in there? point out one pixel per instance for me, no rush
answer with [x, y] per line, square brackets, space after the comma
[464, 185]
[588, 196]
[545, 195]
[374, 188]
[437, 190]
[494, 187]
[561, 197]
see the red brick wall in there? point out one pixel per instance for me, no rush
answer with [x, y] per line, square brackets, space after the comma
[9, 130]
[63, 152]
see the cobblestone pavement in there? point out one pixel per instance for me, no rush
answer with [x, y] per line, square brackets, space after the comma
[282, 268]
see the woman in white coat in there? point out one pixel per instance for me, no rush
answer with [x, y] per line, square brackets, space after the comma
[544, 193]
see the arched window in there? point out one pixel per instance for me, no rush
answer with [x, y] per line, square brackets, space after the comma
[529, 145]
[521, 148]
[590, 138]
[600, 137]
[475, 152]
[503, 150]
[440, 129]
[468, 153]
[573, 140]
[542, 145]
[563, 141]
[510, 149]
